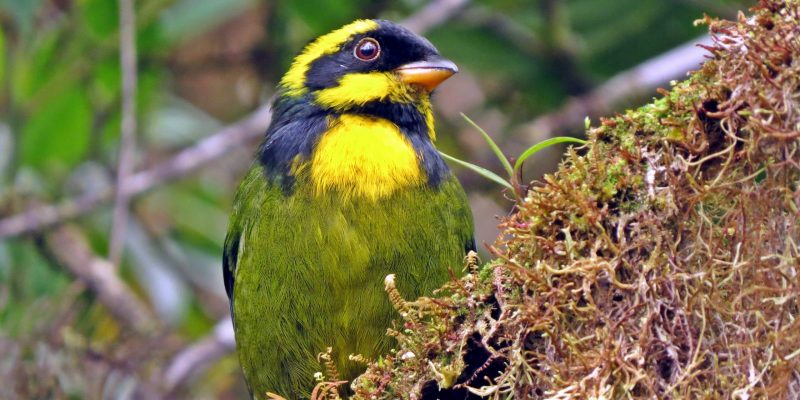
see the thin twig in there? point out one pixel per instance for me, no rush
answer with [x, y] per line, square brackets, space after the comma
[200, 354]
[433, 14]
[209, 149]
[561, 48]
[127, 147]
[503, 25]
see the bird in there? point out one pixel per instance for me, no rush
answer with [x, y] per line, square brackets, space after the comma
[346, 188]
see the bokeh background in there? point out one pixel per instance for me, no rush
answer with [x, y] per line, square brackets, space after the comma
[148, 320]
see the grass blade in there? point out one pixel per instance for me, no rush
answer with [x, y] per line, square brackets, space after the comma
[543, 145]
[493, 145]
[480, 171]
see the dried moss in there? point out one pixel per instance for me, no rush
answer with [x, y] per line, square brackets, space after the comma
[661, 259]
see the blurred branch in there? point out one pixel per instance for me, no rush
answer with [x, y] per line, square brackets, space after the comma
[181, 164]
[127, 147]
[433, 14]
[638, 80]
[198, 356]
[207, 150]
[560, 46]
[70, 249]
[38, 217]
[520, 35]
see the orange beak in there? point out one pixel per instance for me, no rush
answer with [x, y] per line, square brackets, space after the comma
[427, 74]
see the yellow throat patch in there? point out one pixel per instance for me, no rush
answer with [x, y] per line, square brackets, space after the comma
[364, 156]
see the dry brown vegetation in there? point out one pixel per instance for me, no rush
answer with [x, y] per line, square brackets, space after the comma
[659, 261]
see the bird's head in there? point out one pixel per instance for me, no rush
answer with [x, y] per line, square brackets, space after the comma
[353, 115]
[364, 62]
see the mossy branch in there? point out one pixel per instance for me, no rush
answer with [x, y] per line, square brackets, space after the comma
[660, 260]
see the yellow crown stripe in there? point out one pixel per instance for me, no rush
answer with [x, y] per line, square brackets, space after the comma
[294, 79]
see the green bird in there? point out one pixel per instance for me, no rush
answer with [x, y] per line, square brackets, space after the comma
[347, 187]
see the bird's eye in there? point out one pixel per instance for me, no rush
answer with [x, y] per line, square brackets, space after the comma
[367, 49]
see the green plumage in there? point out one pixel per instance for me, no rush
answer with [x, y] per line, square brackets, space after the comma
[344, 192]
[312, 270]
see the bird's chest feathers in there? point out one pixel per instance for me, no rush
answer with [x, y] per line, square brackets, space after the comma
[362, 156]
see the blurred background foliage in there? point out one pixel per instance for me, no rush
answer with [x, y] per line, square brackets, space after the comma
[203, 65]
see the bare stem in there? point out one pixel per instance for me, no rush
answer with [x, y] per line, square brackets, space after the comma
[433, 14]
[127, 147]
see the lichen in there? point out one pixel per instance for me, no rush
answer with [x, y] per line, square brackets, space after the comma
[659, 261]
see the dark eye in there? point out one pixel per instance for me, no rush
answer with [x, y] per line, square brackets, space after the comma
[367, 49]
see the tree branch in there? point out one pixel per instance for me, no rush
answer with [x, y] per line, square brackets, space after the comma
[638, 80]
[433, 14]
[200, 354]
[70, 249]
[207, 150]
[127, 146]
[184, 162]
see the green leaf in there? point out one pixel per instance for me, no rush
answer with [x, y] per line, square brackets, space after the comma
[101, 17]
[543, 145]
[30, 281]
[496, 149]
[480, 170]
[106, 82]
[57, 134]
[33, 67]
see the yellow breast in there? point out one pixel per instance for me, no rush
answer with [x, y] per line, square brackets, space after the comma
[365, 157]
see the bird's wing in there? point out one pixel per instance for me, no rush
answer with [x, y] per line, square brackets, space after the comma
[245, 210]
[294, 129]
[230, 256]
[470, 245]
[235, 238]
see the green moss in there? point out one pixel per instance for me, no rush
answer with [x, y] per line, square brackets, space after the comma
[662, 262]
